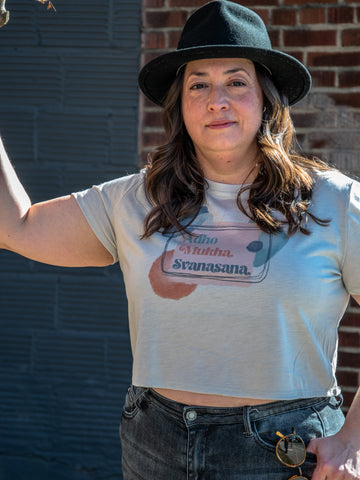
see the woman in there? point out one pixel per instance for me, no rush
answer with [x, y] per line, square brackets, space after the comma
[238, 257]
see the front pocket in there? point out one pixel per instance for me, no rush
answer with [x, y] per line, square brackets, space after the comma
[331, 416]
[306, 422]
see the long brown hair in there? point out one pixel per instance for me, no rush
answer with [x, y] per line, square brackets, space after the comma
[175, 185]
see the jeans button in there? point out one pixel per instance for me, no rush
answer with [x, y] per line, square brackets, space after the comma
[191, 415]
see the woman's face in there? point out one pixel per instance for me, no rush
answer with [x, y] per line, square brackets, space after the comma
[222, 107]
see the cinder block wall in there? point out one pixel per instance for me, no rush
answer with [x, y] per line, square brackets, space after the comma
[325, 36]
[69, 118]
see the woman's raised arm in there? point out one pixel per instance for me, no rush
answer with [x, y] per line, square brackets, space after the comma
[54, 232]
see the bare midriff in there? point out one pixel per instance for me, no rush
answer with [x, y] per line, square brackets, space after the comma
[202, 399]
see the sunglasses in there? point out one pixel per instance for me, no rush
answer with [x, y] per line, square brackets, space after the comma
[291, 451]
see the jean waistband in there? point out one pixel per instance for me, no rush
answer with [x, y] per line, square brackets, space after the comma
[252, 412]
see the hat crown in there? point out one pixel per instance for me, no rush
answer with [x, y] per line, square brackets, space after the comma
[221, 22]
[225, 29]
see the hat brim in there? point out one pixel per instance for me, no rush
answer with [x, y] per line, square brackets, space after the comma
[289, 75]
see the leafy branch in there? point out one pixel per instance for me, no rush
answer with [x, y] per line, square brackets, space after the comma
[5, 14]
[49, 4]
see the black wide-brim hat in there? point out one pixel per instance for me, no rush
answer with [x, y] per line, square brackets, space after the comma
[223, 29]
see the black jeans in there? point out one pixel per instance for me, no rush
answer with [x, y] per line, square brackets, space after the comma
[165, 440]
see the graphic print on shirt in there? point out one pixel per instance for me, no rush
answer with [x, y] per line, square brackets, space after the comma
[220, 254]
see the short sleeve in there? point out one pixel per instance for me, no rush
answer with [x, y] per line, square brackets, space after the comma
[95, 205]
[351, 264]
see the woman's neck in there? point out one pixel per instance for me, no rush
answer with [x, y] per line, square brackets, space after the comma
[231, 169]
[232, 176]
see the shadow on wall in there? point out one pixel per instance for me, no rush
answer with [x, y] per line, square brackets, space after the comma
[328, 126]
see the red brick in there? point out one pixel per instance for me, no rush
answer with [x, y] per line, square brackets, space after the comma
[263, 13]
[338, 59]
[349, 79]
[162, 19]
[186, 3]
[301, 139]
[340, 15]
[351, 320]
[147, 103]
[152, 119]
[153, 3]
[319, 138]
[173, 38]
[348, 379]
[348, 398]
[353, 303]
[303, 2]
[152, 139]
[312, 15]
[349, 119]
[282, 16]
[349, 339]
[305, 119]
[302, 38]
[148, 56]
[262, 3]
[351, 37]
[143, 158]
[349, 359]
[298, 55]
[154, 40]
[274, 38]
[346, 100]
[323, 78]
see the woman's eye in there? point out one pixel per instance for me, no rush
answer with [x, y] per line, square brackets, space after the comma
[237, 83]
[197, 86]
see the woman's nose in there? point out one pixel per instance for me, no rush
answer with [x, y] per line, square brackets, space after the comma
[217, 99]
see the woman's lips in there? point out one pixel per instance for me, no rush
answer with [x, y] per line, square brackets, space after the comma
[220, 124]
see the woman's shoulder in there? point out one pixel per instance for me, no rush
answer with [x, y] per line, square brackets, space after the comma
[125, 182]
[122, 186]
[333, 182]
[334, 191]
[112, 193]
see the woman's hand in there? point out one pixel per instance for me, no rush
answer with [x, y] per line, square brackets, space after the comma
[338, 457]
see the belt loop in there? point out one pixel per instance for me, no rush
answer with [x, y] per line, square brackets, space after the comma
[137, 394]
[340, 400]
[131, 393]
[247, 422]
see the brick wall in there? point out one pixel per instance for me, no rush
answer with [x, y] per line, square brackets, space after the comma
[325, 36]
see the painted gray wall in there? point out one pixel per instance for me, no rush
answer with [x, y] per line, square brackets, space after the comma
[68, 118]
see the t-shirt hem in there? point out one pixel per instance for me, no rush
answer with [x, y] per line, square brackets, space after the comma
[263, 395]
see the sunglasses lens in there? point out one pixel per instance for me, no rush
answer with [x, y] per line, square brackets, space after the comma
[291, 451]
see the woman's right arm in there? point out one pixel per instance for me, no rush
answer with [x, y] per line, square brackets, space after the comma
[54, 232]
